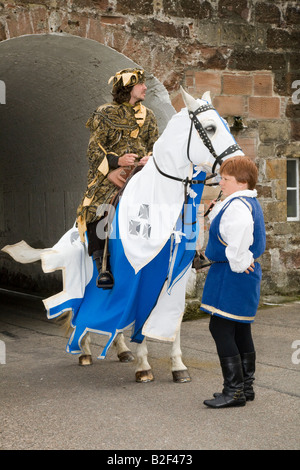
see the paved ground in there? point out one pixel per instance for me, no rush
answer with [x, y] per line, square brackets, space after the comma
[48, 402]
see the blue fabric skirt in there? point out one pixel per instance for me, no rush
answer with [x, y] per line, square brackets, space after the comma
[234, 296]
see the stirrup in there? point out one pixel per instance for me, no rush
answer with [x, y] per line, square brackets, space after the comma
[105, 280]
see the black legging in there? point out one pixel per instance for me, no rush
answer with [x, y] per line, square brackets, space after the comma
[231, 337]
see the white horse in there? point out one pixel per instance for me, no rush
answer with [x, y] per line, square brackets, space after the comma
[152, 245]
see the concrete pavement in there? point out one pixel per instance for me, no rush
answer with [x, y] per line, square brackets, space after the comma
[48, 402]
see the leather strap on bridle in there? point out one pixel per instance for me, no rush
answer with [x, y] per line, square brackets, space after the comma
[185, 181]
[207, 142]
[205, 139]
[212, 204]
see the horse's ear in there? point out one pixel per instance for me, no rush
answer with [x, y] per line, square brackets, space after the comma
[206, 97]
[190, 102]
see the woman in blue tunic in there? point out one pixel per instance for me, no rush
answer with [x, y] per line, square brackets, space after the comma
[232, 288]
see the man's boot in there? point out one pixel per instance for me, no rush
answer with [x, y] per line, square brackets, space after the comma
[233, 391]
[105, 279]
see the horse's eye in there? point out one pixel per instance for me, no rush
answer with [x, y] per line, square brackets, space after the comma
[210, 130]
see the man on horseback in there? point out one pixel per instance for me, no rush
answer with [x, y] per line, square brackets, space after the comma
[122, 135]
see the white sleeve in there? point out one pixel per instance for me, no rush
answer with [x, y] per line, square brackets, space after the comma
[236, 229]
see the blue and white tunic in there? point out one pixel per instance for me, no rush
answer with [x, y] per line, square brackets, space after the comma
[236, 238]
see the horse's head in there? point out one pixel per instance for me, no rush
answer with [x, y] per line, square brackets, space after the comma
[216, 142]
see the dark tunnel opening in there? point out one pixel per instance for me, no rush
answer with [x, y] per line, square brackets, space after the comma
[53, 83]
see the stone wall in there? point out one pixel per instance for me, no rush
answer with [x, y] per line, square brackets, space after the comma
[246, 52]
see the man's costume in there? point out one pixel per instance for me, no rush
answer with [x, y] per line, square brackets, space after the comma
[116, 129]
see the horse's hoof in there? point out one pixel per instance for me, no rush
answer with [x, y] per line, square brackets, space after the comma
[126, 356]
[144, 376]
[181, 376]
[85, 360]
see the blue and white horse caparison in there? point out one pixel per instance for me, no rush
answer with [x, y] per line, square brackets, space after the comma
[152, 244]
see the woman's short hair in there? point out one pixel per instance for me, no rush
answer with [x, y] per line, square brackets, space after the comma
[242, 168]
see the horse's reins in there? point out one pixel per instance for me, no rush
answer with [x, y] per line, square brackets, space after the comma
[186, 180]
[212, 205]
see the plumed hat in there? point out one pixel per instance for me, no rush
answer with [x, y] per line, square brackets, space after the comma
[127, 77]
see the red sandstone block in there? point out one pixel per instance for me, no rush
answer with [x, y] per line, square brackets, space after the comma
[237, 84]
[95, 31]
[189, 81]
[114, 20]
[208, 81]
[230, 105]
[39, 18]
[263, 84]
[264, 107]
[19, 24]
[178, 103]
[248, 146]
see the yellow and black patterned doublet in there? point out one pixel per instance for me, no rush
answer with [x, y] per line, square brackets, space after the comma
[115, 130]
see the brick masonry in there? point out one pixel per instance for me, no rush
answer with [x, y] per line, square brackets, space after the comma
[245, 52]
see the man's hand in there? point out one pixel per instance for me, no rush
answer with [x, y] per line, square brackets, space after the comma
[127, 159]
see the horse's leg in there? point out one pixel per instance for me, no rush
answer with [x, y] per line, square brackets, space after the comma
[64, 321]
[85, 359]
[124, 354]
[143, 371]
[179, 370]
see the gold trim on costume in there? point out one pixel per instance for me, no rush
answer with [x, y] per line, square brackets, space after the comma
[135, 133]
[103, 167]
[140, 112]
[81, 226]
[102, 148]
[129, 77]
[247, 203]
[214, 310]
[221, 241]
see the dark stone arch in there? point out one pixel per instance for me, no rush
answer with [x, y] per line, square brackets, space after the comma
[53, 84]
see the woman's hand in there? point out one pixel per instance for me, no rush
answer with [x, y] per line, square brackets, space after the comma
[251, 268]
[144, 160]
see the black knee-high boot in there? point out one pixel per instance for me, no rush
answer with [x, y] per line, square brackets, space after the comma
[248, 365]
[233, 391]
